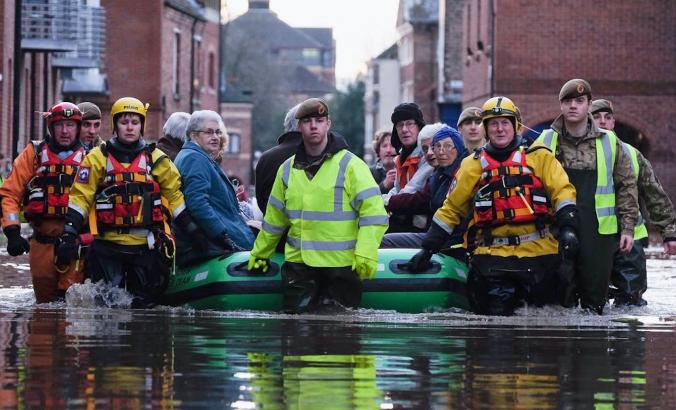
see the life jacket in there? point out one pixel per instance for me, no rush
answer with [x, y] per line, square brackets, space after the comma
[47, 192]
[509, 192]
[129, 196]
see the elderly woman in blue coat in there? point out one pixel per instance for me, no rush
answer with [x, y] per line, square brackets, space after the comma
[209, 194]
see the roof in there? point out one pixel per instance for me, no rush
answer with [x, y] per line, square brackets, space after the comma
[264, 24]
[418, 11]
[301, 81]
[391, 53]
[234, 94]
[189, 7]
[321, 34]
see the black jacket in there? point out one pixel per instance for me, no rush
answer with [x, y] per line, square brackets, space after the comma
[269, 163]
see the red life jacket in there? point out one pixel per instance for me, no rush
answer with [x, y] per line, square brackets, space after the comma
[509, 192]
[129, 196]
[47, 192]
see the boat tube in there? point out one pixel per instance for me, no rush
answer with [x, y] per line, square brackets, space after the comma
[224, 284]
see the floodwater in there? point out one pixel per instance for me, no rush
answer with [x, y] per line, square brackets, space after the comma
[76, 356]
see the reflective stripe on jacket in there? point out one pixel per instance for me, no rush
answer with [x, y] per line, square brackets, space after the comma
[606, 152]
[331, 217]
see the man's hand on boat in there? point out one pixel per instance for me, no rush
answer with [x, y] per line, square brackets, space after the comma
[258, 266]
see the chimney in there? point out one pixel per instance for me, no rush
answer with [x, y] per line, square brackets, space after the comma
[259, 4]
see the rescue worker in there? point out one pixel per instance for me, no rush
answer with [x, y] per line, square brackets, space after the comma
[332, 207]
[123, 188]
[513, 193]
[629, 274]
[90, 131]
[606, 193]
[407, 121]
[39, 184]
[469, 125]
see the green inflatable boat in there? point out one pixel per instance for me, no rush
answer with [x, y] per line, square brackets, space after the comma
[225, 284]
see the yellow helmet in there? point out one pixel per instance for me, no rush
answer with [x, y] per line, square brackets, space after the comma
[501, 107]
[131, 105]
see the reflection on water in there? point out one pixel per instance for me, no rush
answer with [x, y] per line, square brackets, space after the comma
[117, 358]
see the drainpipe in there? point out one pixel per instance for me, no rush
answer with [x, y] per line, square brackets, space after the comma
[192, 64]
[16, 89]
[493, 46]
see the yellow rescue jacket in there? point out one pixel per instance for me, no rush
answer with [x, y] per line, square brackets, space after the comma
[89, 182]
[465, 185]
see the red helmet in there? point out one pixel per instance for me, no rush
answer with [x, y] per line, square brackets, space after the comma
[63, 111]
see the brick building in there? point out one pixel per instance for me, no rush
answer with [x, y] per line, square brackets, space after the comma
[164, 52]
[417, 24]
[625, 49]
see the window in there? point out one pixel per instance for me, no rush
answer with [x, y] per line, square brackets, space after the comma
[311, 56]
[234, 143]
[211, 74]
[176, 64]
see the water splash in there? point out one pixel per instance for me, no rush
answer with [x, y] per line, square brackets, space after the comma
[97, 295]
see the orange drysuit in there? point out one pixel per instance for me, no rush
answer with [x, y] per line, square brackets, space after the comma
[47, 278]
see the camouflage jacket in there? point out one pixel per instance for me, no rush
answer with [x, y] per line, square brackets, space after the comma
[580, 153]
[659, 208]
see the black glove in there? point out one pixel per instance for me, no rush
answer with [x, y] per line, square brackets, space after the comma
[16, 244]
[566, 220]
[435, 238]
[420, 262]
[66, 248]
[569, 245]
[200, 241]
[229, 245]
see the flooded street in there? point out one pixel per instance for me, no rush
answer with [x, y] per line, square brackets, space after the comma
[74, 356]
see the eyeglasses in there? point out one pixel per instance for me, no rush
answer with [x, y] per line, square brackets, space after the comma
[443, 147]
[211, 132]
[405, 124]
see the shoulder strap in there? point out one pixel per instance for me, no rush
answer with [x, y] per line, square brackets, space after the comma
[535, 148]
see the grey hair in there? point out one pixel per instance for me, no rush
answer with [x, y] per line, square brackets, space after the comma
[428, 131]
[176, 125]
[198, 118]
[290, 121]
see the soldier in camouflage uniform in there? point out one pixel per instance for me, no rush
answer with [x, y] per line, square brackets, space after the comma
[607, 195]
[629, 275]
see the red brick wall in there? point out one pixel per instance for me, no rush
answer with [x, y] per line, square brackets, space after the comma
[425, 77]
[133, 57]
[175, 21]
[623, 48]
[237, 119]
[209, 93]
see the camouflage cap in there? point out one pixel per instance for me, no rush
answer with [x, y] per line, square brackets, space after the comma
[469, 113]
[575, 88]
[90, 111]
[601, 105]
[312, 107]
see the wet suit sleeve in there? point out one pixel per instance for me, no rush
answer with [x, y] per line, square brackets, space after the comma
[364, 196]
[559, 189]
[167, 176]
[458, 201]
[12, 190]
[275, 221]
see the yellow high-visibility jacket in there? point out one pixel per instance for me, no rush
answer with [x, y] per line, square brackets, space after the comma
[331, 217]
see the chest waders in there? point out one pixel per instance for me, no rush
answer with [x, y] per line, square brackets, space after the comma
[594, 261]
